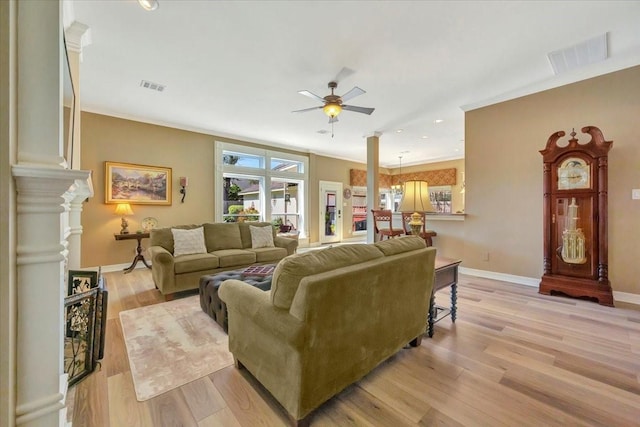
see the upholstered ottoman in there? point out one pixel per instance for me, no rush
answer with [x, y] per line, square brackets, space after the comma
[209, 285]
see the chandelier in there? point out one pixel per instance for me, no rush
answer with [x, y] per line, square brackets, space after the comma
[397, 188]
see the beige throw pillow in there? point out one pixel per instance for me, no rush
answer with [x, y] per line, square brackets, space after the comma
[186, 242]
[261, 237]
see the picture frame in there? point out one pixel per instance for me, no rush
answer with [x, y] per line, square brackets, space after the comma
[137, 184]
[79, 339]
[81, 281]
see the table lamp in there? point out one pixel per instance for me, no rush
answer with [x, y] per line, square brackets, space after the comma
[124, 209]
[415, 198]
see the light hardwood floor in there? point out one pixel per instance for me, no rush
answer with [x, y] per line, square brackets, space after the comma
[513, 358]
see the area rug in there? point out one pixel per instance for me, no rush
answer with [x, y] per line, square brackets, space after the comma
[171, 344]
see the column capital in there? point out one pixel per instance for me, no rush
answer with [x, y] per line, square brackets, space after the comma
[77, 36]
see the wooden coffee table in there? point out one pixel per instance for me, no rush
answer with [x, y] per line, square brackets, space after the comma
[446, 274]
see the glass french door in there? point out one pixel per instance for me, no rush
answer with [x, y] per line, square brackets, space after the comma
[330, 212]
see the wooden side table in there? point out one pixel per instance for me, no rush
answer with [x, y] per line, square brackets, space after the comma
[139, 256]
[446, 274]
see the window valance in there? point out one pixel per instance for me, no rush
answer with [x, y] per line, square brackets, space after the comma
[437, 177]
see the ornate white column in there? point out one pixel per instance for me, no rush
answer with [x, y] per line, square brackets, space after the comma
[373, 170]
[44, 190]
[77, 195]
[41, 382]
[77, 36]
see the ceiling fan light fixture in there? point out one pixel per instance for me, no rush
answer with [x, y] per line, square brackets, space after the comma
[332, 109]
[149, 5]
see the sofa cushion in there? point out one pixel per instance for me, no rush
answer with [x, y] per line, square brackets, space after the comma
[400, 244]
[234, 257]
[192, 263]
[261, 237]
[292, 269]
[187, 242]
[164, 237]
[269, 254]
[222, 236]
[245, 231]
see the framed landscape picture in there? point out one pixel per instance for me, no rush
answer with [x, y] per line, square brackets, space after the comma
[137, 184]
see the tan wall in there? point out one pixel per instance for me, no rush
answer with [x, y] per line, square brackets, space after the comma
[189, 154]
[504, 174]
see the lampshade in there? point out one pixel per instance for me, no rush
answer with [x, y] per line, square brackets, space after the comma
[415, 197]
[123, 209]
[332, 109]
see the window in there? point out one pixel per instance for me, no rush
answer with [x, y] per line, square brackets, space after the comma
[441, 198]
[261, 185]
[241, 201]
[285, 196]
[230, 158]
[282, 165]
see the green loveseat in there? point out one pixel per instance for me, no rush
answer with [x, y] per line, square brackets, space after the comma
[228, 247]
[331, 317]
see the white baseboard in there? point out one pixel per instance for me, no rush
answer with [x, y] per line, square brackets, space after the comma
[116, 267]
[531, 281]
[520, 280]
[626, 297]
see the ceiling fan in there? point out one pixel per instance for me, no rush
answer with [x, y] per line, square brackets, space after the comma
[333, 104]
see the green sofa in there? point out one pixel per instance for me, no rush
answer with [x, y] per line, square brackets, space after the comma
[331, 316]
[228, 247]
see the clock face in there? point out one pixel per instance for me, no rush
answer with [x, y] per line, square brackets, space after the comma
[574, 173]
[149, 223]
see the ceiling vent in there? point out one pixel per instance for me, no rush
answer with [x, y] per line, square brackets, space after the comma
[588, 52]
[153, 86]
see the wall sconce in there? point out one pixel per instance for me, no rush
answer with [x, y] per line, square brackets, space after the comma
[184, 181]
[124, 209]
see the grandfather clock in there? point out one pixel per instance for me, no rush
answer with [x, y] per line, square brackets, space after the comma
[575, 217]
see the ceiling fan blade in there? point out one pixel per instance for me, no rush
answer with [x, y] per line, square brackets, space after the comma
[311, 95]
[364, 110]
[352, 93]
[343, 74]
[307, 109]
[333, 119]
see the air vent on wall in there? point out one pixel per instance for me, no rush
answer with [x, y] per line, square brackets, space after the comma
[153, 86]
[587, 52]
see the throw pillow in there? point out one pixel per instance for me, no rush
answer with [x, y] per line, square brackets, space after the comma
[186, 242]
[261, 237]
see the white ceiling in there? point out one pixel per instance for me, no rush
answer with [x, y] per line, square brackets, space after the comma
[234, 68]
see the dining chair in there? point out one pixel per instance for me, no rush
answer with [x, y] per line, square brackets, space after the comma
[383, 224]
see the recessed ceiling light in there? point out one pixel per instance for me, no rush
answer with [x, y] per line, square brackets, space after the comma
[149, 5]
[424, 137]
[399, 130]
[436, 121]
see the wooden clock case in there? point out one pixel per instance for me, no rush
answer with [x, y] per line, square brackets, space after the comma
[575, 217]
